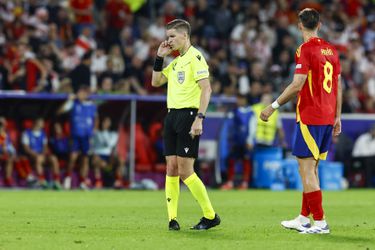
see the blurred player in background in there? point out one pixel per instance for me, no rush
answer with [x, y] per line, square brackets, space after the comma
[104, 149]
[7, 153]
[189, 92]
[35, 147]
[82, 123]
[263, 134]
[318, 85]
[240, 149]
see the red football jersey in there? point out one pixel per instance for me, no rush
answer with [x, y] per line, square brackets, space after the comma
[318, 60]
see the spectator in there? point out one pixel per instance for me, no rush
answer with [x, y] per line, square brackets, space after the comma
[85, 42]
[69, 57]
[83, 14]
[117, 59]
[246, 39]
[117, 14]
[81, 75]
[99, 61]
[157, 29]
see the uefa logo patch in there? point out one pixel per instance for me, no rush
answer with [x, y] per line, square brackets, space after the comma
[181, 76]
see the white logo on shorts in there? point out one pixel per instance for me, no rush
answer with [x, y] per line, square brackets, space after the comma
[186, 150]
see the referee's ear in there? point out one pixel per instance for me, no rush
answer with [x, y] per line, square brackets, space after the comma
[186, 35]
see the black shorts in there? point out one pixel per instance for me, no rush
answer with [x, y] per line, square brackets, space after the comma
[239, 152]
[177, 140]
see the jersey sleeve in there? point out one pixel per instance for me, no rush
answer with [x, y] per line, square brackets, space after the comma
[338, 66]
[25, 139]
[302, 61]
[199, 67]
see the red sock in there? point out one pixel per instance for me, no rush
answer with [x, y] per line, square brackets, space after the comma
[82, 179]
[118, 176]
[231, 169]
[314, 200]
[56, 177]
[20, 169]
[41, 177]
[246, 170]
[8, 182]
[26, 166]
[68, 173]
[119, 179]
[305, 210]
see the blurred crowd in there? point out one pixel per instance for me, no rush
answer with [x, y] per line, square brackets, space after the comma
[55, 46]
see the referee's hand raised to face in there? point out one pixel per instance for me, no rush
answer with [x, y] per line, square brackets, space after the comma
[164, 49]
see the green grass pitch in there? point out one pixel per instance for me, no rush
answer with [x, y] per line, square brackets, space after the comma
[138, 220]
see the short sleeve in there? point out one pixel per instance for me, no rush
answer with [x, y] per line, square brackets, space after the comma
[338, 66]
[302, 61]
[25, 139]
[199, 67]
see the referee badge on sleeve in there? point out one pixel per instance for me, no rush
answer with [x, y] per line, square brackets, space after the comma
[181, 76]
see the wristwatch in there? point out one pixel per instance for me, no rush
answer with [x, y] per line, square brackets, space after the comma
[201, 115]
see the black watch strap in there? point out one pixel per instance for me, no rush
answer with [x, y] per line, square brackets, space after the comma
[201, 115]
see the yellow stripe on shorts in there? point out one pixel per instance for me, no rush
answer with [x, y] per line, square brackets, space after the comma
[310, 141]
[323, 156]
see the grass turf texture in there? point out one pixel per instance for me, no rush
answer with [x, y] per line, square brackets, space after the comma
[138, 220]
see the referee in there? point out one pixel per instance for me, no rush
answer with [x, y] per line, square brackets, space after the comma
[188, 96]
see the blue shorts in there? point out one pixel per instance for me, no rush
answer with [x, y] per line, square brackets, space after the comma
[312, 141]
[81, 144]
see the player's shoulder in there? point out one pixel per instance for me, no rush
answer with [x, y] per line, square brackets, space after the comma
[303, 48]
[326, 43]
[195, 53]
[315, 44]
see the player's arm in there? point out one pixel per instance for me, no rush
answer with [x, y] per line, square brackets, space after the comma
[25, 143]
[205, 95]
[337, 125]
[250, 140]
[197, 126]
[45, 145]
[158, 78]
[290, 92]
[67, 106]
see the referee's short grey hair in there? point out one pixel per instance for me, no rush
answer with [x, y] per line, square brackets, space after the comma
[179, 24]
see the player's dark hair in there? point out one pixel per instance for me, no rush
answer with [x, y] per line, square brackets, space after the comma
[309, 18]
[179, 24]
